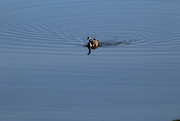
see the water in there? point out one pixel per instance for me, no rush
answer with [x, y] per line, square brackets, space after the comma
[46, 74]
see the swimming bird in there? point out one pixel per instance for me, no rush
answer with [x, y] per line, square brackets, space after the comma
[92, 44]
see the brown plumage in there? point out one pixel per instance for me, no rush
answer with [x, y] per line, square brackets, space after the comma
[92, 44]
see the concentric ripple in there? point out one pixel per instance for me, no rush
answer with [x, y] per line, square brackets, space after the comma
[46, 74]
[52, 25]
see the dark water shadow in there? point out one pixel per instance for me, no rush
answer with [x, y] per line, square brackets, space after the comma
[110, 43]
[115, 43]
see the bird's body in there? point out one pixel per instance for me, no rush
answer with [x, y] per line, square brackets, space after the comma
[92, 44]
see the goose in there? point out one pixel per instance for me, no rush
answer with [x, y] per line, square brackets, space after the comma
[92, 44]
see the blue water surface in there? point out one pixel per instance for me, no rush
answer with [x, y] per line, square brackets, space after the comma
[46, 74]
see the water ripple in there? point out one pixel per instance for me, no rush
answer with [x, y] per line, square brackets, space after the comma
[56, 30]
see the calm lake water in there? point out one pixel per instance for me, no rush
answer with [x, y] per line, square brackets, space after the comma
[46, 74]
